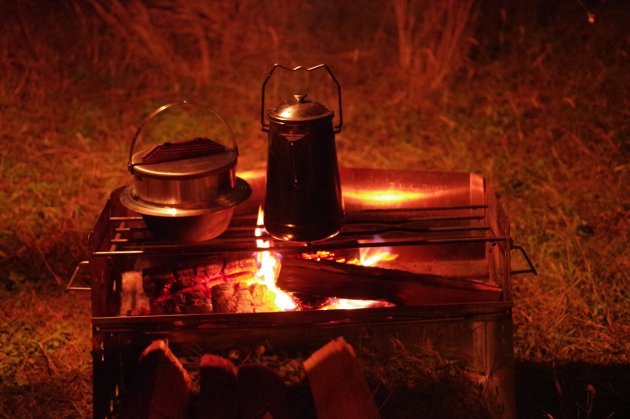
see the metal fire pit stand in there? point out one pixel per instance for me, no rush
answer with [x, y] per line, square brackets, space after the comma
[449, 221]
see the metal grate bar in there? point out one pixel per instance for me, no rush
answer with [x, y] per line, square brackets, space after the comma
[404, 226]
[248, 246]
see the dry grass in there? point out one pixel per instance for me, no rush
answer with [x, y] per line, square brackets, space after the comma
[433, 40]
[45, 365]
[538, 109]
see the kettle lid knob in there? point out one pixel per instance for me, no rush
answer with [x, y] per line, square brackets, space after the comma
[301, 98]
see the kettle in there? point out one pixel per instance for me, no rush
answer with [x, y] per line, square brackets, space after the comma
[303, 200]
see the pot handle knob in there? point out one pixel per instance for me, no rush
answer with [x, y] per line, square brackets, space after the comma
[265, 125]
[131, 164]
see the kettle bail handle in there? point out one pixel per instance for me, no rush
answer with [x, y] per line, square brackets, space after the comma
[132, 146]
[265, 126]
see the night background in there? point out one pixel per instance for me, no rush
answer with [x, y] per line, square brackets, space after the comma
[532, 95]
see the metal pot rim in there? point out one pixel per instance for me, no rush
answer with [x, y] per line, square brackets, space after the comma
[239, 193]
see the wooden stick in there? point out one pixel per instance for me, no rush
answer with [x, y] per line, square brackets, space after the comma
[332, 279]
[338, 385]
[163, 387]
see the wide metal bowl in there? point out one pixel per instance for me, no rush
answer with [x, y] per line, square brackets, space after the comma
[198, 228]
[187, 223]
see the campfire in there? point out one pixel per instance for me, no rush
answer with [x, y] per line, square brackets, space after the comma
[419, 273]
[236, 286]
[264, 282]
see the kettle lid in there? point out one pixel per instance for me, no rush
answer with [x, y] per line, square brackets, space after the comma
[299, 109]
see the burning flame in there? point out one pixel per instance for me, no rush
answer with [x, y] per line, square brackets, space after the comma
[372, 256]
[346, 304]
[268, 267]
[367, 257]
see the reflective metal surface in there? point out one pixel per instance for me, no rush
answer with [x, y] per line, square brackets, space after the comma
[171, 207]
[183, 191]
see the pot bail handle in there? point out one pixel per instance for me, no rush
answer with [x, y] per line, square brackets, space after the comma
[265, 126]
[132, 146]
[131, 164]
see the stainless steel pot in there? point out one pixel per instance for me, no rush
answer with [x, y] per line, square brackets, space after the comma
[185, 190]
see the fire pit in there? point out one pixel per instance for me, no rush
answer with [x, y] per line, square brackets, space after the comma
[426, 253]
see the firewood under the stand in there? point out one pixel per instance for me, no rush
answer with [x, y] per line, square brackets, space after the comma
[338, 385]
[333, 279]
[163, 388]
[334, 381]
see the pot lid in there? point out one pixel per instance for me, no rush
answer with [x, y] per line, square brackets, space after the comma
[300, 109]
[186, 159]
[239, 193]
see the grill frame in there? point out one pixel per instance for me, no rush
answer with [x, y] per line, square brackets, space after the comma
[479, 224]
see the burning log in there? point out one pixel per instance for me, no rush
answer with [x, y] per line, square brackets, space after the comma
[240, 297]
[189, 288]
[334, 279]
[337, 383]
[239, 269]
[164, 386]
[180, 290]
[232, 298]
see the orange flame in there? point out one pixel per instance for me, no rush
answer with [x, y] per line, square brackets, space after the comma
[268, 268]
[373, 256]
[367, 257]
[347, 304]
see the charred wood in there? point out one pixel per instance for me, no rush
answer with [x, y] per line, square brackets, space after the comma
[188, 288]
[241, 297]
[334, 279]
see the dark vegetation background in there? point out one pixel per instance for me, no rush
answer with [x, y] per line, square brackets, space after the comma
[531, 94]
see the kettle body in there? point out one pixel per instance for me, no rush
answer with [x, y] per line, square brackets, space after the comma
[303, 200]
